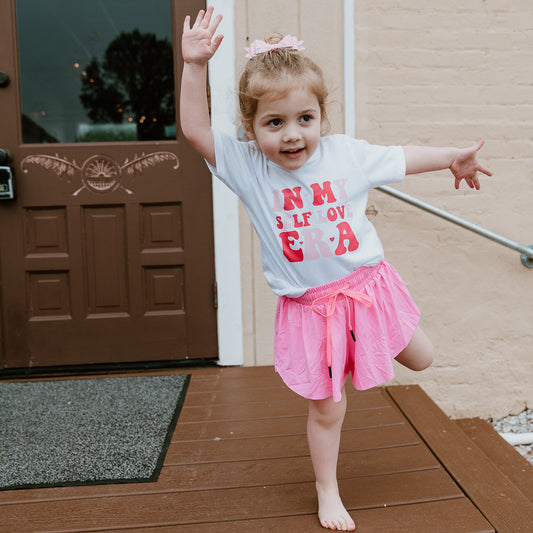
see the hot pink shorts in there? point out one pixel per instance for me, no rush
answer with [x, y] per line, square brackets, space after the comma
[314, 338]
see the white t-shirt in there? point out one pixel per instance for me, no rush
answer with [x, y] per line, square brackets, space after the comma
[311, 222]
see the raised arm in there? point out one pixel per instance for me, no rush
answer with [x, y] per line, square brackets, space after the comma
[462, 162]
[198, 45]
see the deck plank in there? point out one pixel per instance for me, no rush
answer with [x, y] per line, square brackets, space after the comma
[258, 410]
[441, 517]
[298, 469]
[496, 496]
[267, 405]
[266, 447]
[517, 468]
[231, 504]
[289, 425]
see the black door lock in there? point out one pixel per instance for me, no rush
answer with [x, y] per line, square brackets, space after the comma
[7, 179]
[4, 79]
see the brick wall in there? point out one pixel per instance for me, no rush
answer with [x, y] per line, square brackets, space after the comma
[447, 73]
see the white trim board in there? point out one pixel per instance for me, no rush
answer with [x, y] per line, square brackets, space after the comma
[349, 66]
[225, 202]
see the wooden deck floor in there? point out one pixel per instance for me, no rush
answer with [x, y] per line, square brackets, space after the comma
[239, 462]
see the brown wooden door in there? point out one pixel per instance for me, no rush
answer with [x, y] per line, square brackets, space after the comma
[106, 255]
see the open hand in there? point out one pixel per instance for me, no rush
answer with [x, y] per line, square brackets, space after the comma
[197, 43]
[466, 166]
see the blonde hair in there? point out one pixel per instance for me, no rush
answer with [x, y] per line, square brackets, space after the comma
[275, 73]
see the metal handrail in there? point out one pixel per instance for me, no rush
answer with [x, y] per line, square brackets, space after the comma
[526, 251]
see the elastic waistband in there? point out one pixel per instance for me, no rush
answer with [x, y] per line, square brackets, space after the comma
[357, 280]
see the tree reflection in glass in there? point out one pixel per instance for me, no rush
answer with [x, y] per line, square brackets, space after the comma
[133, 84]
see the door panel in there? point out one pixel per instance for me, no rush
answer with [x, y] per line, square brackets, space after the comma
[106, 255]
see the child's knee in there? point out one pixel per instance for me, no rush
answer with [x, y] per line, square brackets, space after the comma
[426, 356]
[424, 360]
[417, 363]
[419, 353]
[327, 412]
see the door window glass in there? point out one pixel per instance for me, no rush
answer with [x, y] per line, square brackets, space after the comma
[94, 71]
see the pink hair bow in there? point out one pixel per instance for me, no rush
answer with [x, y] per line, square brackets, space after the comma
[260, 47]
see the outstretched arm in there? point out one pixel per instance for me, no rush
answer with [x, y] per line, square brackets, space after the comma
[462, 163]
[198, 45]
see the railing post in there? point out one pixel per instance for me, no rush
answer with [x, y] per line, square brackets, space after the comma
[527, 260]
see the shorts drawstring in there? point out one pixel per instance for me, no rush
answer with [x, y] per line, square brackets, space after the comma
[331, 300]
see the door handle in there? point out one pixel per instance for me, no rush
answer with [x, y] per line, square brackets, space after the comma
[7, 178]
[4, 79]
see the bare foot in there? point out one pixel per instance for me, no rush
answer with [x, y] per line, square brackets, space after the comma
[331, 512]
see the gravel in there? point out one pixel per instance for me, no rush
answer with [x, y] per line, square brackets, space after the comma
[520, 423]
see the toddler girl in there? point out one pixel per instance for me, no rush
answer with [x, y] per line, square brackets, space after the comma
[342, 309]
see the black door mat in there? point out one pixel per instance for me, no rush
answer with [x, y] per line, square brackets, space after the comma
[87, 431]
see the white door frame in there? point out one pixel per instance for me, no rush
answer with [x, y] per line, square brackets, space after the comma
[225, 202]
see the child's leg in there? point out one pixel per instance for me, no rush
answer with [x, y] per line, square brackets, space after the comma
[418, 354]
[324, 432]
